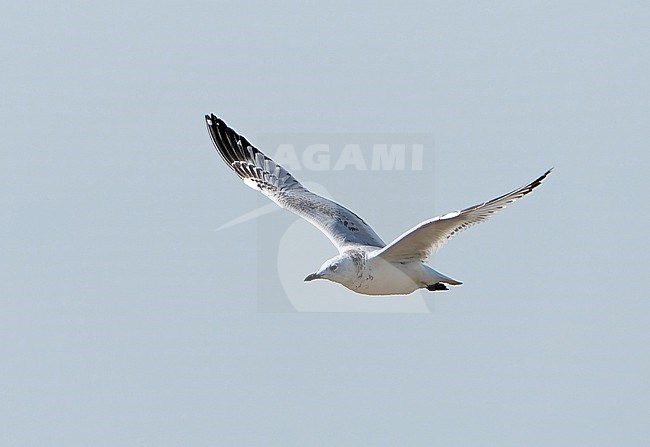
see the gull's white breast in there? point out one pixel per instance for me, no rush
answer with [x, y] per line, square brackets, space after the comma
[379, 277]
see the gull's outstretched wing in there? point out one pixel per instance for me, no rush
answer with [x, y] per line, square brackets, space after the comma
[340, 225]
[425, 239]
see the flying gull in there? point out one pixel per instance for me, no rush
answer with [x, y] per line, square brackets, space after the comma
[365, 264]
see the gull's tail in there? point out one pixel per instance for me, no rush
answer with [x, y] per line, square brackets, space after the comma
[434, 277]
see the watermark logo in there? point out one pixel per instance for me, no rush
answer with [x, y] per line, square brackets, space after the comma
[345, 169]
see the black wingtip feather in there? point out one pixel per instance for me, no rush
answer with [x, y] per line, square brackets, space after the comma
[538, 182]
[230, 145]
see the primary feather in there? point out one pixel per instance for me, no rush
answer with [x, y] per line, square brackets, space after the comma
[344, 228]
[420, 242]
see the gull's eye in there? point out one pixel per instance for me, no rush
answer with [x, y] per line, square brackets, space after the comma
[334, 267]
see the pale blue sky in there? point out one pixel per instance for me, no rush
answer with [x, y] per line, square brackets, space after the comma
[122, 323]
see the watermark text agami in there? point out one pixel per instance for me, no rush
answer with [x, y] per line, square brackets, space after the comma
[355, 156]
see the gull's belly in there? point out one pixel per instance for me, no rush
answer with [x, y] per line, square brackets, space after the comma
[382, 278]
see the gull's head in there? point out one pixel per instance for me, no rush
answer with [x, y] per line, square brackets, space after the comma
[338, 269]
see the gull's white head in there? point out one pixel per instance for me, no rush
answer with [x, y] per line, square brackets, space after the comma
[340, 269]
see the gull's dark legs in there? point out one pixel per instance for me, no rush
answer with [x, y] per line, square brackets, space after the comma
[438, 287]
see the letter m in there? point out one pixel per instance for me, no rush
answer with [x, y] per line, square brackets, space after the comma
[385, 158]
